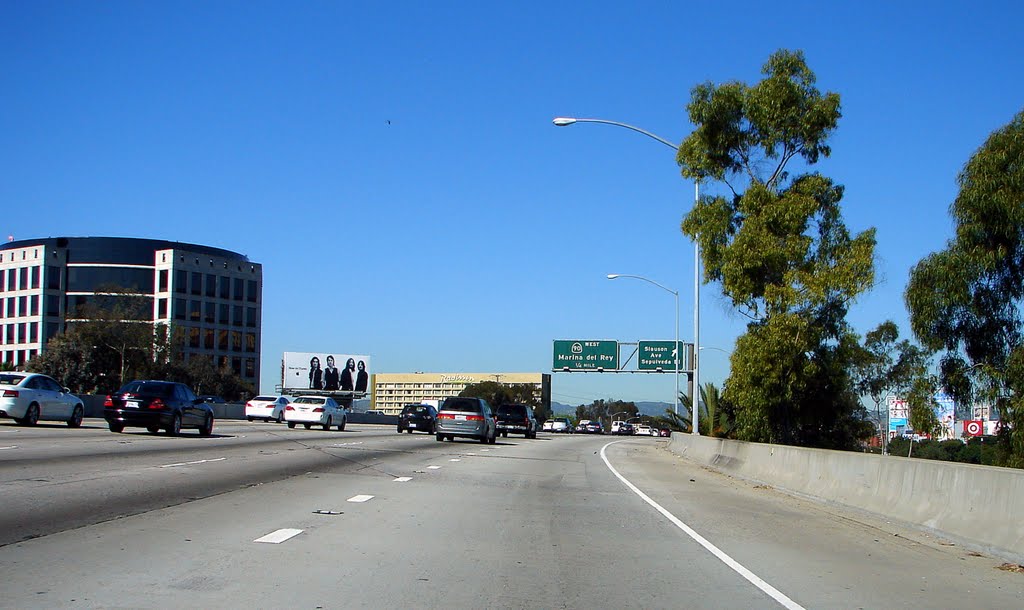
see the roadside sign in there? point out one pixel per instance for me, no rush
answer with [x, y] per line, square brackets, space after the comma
[974, 427]
[580, 355]
[657, 355]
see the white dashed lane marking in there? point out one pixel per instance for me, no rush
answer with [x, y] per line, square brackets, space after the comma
[193, 463]
[279, 536]
[433, 467]
[11, 447]
[455, 460]
[360, 498]
[403, 479]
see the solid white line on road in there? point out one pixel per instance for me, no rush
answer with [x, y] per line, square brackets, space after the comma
[403, 479]
[433, 467]
[754, 579]
[455, 460]
[193, 463]
[360, 498]
[347, 444]
[279, 536]
[11, 447]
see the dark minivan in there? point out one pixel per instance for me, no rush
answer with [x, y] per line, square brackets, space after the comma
[157, 405]
[417, 417]
[516, 419]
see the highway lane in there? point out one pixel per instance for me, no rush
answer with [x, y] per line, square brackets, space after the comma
[522, 524]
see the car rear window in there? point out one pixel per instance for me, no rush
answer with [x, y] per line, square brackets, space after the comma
[152, 388]
[309, 400]
[266, 398]
[11, 379]
[410, 409]
[463, 405]
[513, 410]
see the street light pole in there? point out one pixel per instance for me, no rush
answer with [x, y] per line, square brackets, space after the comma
[695, 408]
[675, 347]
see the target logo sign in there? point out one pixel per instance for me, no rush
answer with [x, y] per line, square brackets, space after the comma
[974, 427]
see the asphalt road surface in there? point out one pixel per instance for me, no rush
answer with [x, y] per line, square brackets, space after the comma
[260, 516]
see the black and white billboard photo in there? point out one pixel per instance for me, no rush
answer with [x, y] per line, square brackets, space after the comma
[326, 371]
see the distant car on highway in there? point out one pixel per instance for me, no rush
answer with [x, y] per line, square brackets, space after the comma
[30, 397]
[417, 417]
[582, 426]
[516, 419]
[466, 417]
[315, 411]
[559, 425]
[216, 400]
[625, 429]
[266, 408]
[641, 430]
[594, 427]
[155, 406]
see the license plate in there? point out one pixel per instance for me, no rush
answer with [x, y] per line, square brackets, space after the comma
[412, 425]
[460, 418]
[132, 404]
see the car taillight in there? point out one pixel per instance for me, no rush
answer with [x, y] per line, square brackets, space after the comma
[10, 393]
[157, 404]
[445, 416]
[289, 408]
[474, 418]
[318, 410]
[108, 401]
[248, 404]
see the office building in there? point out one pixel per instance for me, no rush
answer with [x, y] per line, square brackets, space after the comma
[392, 391]
[212, 297]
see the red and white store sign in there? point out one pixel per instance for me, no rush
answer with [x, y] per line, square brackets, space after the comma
[974, 427]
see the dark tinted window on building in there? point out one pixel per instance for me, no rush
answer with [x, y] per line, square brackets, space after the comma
[224, 311]
[33, 332]
[197, 282]
[181, 281]
[23, 306]
[193, 337]
[53, 277]
[250, 292]
[211, 285]
[236, 365]
[33, 305]
[210, 310]
[225, 287]
[12, 277]
[239, 287]
[208, 339]
[52, 307]
[222, 340]
[195, 310]
[236, 341]
[161, 308]
[23, 278]
[163, 280]
[2, 277]
[11, 313]
[179, 309]
[237, 315]
[250, 367]
[250, 317]
[52, 328]
[250, 342]
[88, 279]
[35, 277]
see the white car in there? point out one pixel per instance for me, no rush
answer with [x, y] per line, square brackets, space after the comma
[315, 411]
[266, 408]
[30, 397]
[642, 430]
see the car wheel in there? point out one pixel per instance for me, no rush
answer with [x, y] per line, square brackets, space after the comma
[291, 424]
[400, 430]
[76, 417]
[31, 416]
[410, 430]
[207, 428]
[175, 428]
[153, 429]
[116, 427]
[308, 426]
[493, 439]
[484, 439]
[327, 426]
[439, 437]
[249, 418]
[344, 422]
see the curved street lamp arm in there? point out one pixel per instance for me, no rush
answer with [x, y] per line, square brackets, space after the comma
[640, 277]
[569, 121]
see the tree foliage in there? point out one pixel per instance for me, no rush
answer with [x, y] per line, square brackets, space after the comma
[965, 300]
[781, 251]
[605, 411]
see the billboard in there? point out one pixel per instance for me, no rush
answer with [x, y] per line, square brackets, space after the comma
[326, 371]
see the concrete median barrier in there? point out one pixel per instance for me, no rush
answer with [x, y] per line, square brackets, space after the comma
[975, 505]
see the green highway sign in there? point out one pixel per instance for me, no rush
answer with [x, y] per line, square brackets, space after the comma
[654, 355]
[586, 356]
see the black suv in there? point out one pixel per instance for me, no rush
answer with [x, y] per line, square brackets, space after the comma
[516, 419]
[157, 405]
[417, 417]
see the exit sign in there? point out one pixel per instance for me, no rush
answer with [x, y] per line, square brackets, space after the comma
[586, 355]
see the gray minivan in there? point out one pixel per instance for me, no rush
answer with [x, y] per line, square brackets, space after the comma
[466, 417]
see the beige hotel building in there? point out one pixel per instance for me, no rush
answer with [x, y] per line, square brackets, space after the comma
[392, 391]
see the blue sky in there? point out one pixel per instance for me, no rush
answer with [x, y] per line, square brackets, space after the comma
[394, 168]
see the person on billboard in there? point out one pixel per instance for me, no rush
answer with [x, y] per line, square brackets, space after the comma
[362, 379]
[347, 376]
[316, 381]
[331, 374]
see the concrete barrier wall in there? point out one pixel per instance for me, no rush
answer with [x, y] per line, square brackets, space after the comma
[978, 506]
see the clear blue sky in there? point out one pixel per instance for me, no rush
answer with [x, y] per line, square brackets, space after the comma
[394, 168]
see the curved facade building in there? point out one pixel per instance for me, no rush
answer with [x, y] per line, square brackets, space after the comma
[212, 296]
